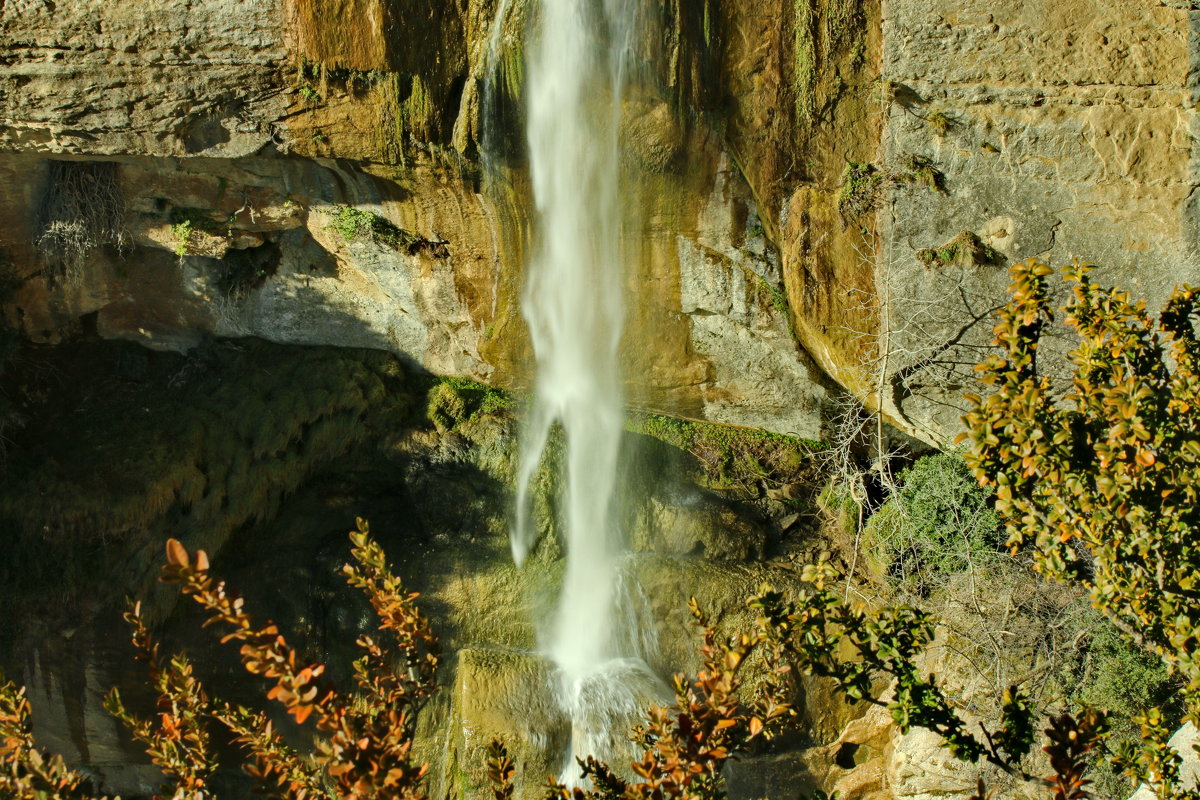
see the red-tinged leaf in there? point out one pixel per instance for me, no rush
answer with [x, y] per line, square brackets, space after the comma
[201, 560]
[302, 713]
[756, 726]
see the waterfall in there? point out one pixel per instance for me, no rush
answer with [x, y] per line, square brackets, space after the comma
[575, 81]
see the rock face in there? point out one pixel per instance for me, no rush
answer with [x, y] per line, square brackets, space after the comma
[240, 132]
[1061, 130]
[1057, 130]
[821, 196]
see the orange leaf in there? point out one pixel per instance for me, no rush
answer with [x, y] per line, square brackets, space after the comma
[177, 554]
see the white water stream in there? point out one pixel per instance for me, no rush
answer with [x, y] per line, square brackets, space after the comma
[575, 81]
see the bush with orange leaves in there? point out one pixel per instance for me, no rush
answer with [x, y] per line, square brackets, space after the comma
[363, 742]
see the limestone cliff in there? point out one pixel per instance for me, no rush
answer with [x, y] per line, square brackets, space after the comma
[239, 133]
[804, 168]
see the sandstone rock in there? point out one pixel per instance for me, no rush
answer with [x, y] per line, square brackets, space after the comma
[1064, 137]
[261, 122]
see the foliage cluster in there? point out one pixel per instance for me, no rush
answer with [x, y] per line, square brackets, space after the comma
[182, 231]
[355, 224]
[861, 185]
[452, 401]
[732, 458]
[939, 122]
[966, 246]
[1122, 677]
[187, 223]
[939, 523]
[1097, 476]
[363, 741]
[226, 442]
[921, 171]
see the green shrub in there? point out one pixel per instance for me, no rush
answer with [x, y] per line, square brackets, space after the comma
[938, 523]
[1127, 680]
[357, 225]
[861, 186]
[183, 237]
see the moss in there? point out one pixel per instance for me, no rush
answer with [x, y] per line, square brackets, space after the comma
[966, 247]
[124, 446]
[922, 172]
[220, 435]
[407, 111]
[453, 401]
[939, 123]
[804, 57]
[728, 457]
[861, 184]
[779, 301]
[820, 30]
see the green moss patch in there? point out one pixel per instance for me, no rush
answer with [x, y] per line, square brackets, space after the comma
[967, 247]
[921, 171]
[357, 225]
[861, 185]
[742, 460]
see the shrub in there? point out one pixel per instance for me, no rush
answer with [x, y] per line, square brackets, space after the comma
[363, 740]
[1099, 476]
[940, 522]
[357, 225]
[1113, 673]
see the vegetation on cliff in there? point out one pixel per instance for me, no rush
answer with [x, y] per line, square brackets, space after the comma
[1093, 479]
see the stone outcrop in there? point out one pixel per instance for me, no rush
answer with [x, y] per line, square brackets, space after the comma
[242, 126]
[1060, 130]
[1184, 742]
[822, 196]
[1057, 135]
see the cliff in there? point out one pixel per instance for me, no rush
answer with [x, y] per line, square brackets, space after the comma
[823, 197]
[802, 173]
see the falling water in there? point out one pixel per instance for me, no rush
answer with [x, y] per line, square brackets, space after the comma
[573, 305]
